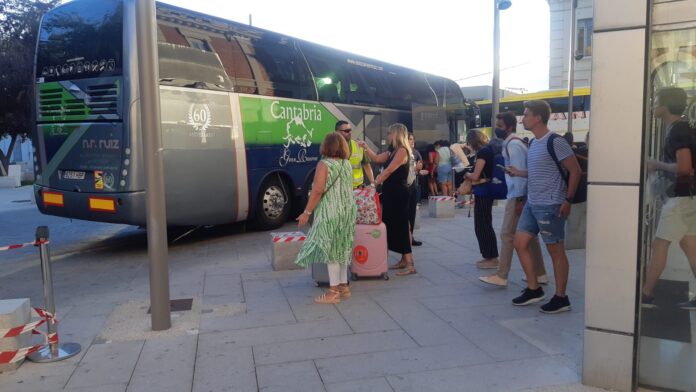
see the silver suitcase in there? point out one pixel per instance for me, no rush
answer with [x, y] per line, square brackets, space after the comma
[320, 274]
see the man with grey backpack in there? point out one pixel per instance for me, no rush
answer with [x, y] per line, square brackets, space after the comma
[553, 174]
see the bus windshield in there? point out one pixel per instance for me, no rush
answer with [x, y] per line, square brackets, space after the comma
[66, 46]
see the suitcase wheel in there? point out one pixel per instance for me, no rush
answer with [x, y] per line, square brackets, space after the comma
[385, 276]
[353, 277]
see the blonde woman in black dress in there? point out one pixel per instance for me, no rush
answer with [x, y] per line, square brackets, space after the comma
[395, 194]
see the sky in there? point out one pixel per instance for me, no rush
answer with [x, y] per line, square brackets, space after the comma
[449, 38]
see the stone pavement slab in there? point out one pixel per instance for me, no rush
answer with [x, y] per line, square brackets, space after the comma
[492, 377]
[277, 334]
[246, 320]
[420, 323]
[104, 364]
[364, 315]
[101, 388]
[165, 365]
[331, 347]
[223, 367]
[38, 377]
[355, 367]
[370, 385]
[488, 335]
[290, 377]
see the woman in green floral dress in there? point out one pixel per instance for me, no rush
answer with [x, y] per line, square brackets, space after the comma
[330, 239]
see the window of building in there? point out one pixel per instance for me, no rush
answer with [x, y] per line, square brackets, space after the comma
[198, 43]
[667, 330]
[584, 37]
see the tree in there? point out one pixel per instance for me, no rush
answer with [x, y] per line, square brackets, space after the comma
[19, 23]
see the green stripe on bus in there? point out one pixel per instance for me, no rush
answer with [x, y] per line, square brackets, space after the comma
[56, 103]
[67, 146]
[279, 121]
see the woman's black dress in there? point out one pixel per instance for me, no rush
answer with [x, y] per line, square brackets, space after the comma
[394, 200]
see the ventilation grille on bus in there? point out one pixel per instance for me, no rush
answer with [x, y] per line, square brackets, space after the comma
[99, 101]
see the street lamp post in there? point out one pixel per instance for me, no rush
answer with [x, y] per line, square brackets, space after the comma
[498, 5]
[571, 63]
[152, 152]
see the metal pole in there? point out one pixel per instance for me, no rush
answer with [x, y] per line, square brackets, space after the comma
[495, 107]
[571, 63]
[54, 351]
[151, 135]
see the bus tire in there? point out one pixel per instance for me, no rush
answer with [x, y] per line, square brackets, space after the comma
[273, 204]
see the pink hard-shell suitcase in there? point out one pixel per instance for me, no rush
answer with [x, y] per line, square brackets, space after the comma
[370, 252]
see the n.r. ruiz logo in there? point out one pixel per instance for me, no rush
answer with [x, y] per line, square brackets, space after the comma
[199, 117]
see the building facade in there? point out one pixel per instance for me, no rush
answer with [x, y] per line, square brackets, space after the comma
[559, 43]
[640, 316]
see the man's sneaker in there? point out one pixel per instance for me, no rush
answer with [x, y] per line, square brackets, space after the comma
[541, 279]
[647, 301]
[529, 296]
[689, 305]
[494, 279]
[416, 243]
[556, 305]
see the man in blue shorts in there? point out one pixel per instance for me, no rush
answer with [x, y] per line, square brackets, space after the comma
[550, 191]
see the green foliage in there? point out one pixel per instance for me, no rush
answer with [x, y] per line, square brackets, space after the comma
[19, 22]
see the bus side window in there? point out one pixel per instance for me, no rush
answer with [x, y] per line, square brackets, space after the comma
[188, 67]
[329, 77]
[171, 35]
[235, 63]
[278, 70]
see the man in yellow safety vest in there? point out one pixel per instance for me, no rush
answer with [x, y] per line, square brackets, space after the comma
[358, 159]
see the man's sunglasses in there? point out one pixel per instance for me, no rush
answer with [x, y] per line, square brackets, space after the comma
[345, 130]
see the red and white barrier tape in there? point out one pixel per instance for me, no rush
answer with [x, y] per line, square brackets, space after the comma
[19, 354]
[441, 198]
[18, 246]
[292, 236]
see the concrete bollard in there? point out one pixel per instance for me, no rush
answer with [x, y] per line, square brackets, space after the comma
[10, 182]
[441, 206]
[14, 313]
[576, 227]
[286, 246]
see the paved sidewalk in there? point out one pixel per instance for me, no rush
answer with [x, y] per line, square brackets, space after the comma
[255, 329]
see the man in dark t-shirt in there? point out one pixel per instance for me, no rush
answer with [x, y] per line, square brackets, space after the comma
[678, 217]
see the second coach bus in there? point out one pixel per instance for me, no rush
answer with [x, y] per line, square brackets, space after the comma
[557, 99]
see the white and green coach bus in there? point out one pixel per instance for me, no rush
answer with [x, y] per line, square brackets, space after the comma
[243, 113]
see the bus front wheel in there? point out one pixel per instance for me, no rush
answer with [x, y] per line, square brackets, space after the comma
[273, 204]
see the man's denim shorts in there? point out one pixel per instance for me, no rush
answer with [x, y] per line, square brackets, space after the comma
[543, 220]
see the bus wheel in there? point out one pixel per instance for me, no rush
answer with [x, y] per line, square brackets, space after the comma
[273, 204]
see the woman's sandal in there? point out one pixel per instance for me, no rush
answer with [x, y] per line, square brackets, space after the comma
[409, 270]
[332, 296]
[400, 265]
[344, 290]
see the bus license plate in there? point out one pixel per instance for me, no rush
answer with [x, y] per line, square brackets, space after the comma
[73, 175]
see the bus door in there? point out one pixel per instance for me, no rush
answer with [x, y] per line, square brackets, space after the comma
[430, 123]
[458, 127]
[373, 132]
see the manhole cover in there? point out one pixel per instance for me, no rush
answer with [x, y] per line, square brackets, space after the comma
[21, 201]
[178, 305]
